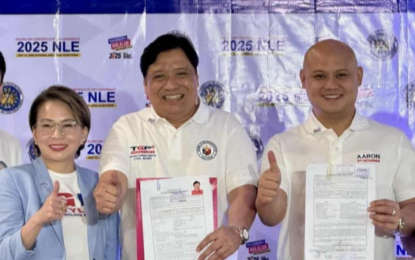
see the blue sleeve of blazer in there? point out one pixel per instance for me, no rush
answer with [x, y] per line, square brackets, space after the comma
[23, 190]
[12, 218]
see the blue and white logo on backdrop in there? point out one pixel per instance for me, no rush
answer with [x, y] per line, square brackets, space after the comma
[12, 98]
[212, 94]
[383, 45]
[31, 149]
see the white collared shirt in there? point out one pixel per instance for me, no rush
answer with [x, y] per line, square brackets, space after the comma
[10, 150]
[142, 144]
[365, 141]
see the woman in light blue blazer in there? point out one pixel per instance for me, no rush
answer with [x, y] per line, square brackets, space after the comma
[47, 207]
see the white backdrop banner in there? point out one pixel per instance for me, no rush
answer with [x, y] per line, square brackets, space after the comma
[249, 66]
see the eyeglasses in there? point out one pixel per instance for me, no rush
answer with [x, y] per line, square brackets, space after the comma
[47, 127]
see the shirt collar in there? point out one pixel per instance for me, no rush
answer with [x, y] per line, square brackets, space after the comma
[200, 117]
[313, 126]
[202, 114]
[359, 123]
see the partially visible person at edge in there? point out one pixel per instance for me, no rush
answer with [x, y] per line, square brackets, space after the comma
[335, 133]
[10, 150]
[177, 123]
[48, 210]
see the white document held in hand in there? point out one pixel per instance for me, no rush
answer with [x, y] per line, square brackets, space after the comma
[337, 223]
[176, 218]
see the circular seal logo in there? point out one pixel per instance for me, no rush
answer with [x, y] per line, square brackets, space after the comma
[212, 94]
[3, 165]
[31, 149]
[409, 95]
[207, 150]
[383, 46]
[258, 144]
[11, 98]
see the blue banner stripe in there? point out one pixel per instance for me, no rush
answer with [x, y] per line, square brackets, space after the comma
[203, 6]
[71, 6]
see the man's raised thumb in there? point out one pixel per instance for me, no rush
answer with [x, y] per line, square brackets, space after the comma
[114, 178]
[272, 162]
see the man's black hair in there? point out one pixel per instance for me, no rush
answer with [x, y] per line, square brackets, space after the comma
[196, 182]
[2, 67]
[168, 42]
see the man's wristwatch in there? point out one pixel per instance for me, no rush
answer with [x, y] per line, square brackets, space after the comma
[401, 225]
[243, 233]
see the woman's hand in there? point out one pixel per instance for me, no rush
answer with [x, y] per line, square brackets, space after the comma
[54, 207]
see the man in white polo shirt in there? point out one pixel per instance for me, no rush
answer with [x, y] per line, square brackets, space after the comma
[10, 150]
[187, 138]
[334, 133]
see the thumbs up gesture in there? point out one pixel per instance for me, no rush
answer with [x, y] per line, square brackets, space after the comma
[107, 193]
[54, 207]
[269, 182]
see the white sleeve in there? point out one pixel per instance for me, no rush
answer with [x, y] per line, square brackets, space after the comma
[241, 163]
[16, 153]
[275, 146]
[115, 154]
[12, 148]
[404, 184]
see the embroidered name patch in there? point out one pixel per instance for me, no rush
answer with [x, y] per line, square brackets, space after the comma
[143, 152]
[370, 157]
